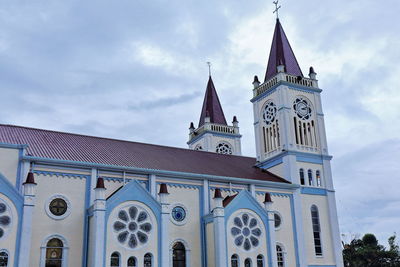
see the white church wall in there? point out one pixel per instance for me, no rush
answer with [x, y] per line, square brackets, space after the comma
[71, 227]
[92, 228]
[9, 163]
[277, 169]
[210, 245]
[8, 241]
[111, 186]
[326, 240]
[112, 245]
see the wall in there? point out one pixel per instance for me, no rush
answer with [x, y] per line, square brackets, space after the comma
[9, 158]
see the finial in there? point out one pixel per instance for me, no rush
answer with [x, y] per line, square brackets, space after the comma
[100, 183]
[277, 7]
[209, 68]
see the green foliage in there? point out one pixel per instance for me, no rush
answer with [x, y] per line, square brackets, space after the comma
[367, 252]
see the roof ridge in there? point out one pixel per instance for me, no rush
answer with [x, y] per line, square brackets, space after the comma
[119, 140]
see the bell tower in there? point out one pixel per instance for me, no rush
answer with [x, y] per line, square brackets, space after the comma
[288, 118]
[213, 134]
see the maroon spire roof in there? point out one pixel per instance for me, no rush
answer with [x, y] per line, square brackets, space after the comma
[281, 53]
[212, 106]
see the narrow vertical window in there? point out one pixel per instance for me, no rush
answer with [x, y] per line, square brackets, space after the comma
[234, 261]
[115, 261]
[318, 177]
[302, 182]
[310, 179]
[179, 255]
[260, 261]
[54, 253]
[132, 262]
[3, 259]
[147, 260]
[280, 257]
[247, 262]
[316, 230]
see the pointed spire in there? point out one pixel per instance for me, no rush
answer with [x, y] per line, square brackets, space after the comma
[211, 106]
[281, 54]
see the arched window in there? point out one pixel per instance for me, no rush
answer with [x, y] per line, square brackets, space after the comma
[260, 261]
[3, 259]
[115, 261]
[316, 230]
[310, 179]
[247, 262]
[54, 253]
[179, 255]
[318, 177]
[234, 261]
[279, 255]
[147, 260]
[132, 262]
[302, 182]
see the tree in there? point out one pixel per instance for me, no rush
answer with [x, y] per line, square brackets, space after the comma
[367, 252]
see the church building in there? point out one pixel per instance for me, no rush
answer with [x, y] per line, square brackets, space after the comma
[75, 200]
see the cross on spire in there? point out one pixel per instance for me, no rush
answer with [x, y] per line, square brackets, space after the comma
[277, 7]
[209, 68]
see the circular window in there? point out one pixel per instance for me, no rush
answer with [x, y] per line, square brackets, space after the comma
[302, 108]
[277, 220]
[132, 227]
[178, 213]
[5, 219]
[58, 207]
[246, 232]
[224, 148]
[269, 113]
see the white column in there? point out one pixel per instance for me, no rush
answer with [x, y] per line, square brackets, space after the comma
[206, 197]
[165, 213]
[93, 181]
[335, 232]
[252, 188]
[301, 243]
[219, 233]
[153, 185]
[272, 238]
[26, 229]
[99, 223]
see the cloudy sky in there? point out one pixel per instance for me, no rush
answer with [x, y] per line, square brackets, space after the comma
[136, 70]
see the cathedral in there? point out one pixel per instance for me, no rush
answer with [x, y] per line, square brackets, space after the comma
[75, 200]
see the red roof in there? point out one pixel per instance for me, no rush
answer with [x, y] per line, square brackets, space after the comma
[82, 148]
[281, 53]
[211, 106]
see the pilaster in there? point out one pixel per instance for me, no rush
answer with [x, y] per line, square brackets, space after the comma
[219, 231]
[301, 243]
[271, 227]
[165, 214]
[99, 223]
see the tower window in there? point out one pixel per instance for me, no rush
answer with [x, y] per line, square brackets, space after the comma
[3, 259]
[147, 260]
[280, 257]
[260, 261]
[318, 177]
[301, 172]
[247, 262]
[224, 148]
[234, 261]
[132, 262]
[179, 255]
[310, 178]
[115, 261]
[316, 230]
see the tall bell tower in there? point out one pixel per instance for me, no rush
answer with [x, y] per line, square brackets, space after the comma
[213, 134]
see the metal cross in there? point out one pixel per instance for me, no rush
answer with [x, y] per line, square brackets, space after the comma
[276, 3]
[209, 68]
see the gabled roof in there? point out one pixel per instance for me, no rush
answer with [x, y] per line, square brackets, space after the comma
[82, 148]
[211, 106]
[281, 54]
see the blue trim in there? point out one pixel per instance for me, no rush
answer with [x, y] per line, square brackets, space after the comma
[290, 85]
[81, 176]
[18, 183]
[300, 156]
[244, 200]
[296, 241]
[86, 222]
[181, 185]
[164, 172]
[6, 145]
[313, 191]
[7, 189]
[133, 191]
[272, 163]
[208, 218]
[203, 252]
[231, 136]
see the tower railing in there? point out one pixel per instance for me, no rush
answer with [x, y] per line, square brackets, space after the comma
[214, 127]
[298, 80]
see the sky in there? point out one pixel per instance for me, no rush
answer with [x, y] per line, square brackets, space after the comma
[136, 70]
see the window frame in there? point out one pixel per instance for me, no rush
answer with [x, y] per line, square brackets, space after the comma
[237, 258]
[260, 257]
[65, 249]
[302, 177]
[282, 251]
[314, 209]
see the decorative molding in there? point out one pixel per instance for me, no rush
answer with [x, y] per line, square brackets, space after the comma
[63, 174]
[313, 191]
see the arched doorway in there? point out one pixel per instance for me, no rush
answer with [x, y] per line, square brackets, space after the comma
[178, 255]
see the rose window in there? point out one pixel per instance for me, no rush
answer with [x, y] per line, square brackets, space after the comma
[5, 219]
[246, 231]
[269, 113]
[224, 148]
[132, 227]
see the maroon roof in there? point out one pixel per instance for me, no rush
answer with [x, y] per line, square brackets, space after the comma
[228, 200]
[281, 53]
[212, 106]
[82, 148]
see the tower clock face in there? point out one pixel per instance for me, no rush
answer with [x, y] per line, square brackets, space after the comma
[269, 113]
[302, 108]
